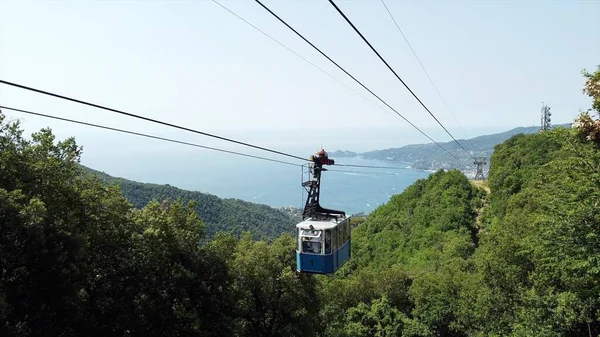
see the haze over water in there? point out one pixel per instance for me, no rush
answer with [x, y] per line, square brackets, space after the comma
[230, 176]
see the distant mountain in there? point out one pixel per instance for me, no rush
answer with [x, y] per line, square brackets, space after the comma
[432, 157]
[235, 215]
[342, 154]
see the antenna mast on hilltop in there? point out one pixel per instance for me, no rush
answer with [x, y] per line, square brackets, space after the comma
[479, 162]
[545, 122]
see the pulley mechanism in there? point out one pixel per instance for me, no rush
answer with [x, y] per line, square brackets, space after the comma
[312, 208]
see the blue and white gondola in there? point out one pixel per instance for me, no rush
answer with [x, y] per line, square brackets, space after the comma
[323, 245]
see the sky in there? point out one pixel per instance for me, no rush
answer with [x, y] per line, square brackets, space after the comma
[192, 63]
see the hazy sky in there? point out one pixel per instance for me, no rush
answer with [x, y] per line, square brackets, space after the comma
[192, 63]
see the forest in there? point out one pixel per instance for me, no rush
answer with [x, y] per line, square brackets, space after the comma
[443, 258]
[219, 215]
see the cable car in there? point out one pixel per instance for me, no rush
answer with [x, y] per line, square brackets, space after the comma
[323, 236]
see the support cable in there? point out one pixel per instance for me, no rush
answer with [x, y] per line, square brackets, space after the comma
[347, 73]
[394, 72]
[178, 141]
[426, 73]
[300, 56]
[145, 135]
[148, 119]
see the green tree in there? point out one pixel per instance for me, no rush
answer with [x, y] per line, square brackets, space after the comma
[272, 299]
[76, 259]
[592, 87]
[379, 319]
[41, 245]
[218, 215]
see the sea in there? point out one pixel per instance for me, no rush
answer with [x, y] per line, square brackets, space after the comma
[225, 175]
[353, 190]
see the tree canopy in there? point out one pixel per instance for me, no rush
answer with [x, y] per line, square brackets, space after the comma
[76, 258]
[443, 258]
[219, 215]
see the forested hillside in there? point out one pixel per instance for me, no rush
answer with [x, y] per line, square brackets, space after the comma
[423, 265]
[77, 260]
[444, 258]
[219, 215]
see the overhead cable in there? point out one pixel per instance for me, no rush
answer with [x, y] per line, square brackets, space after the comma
[147, 119]
[362, 172]
[426, 72]
[298, 55]
[176, 141]
[394, 72]
[347, 73]
[381, 167]
[146, 135]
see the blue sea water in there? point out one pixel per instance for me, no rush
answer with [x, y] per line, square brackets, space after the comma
[353, 191]
[229, 176]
